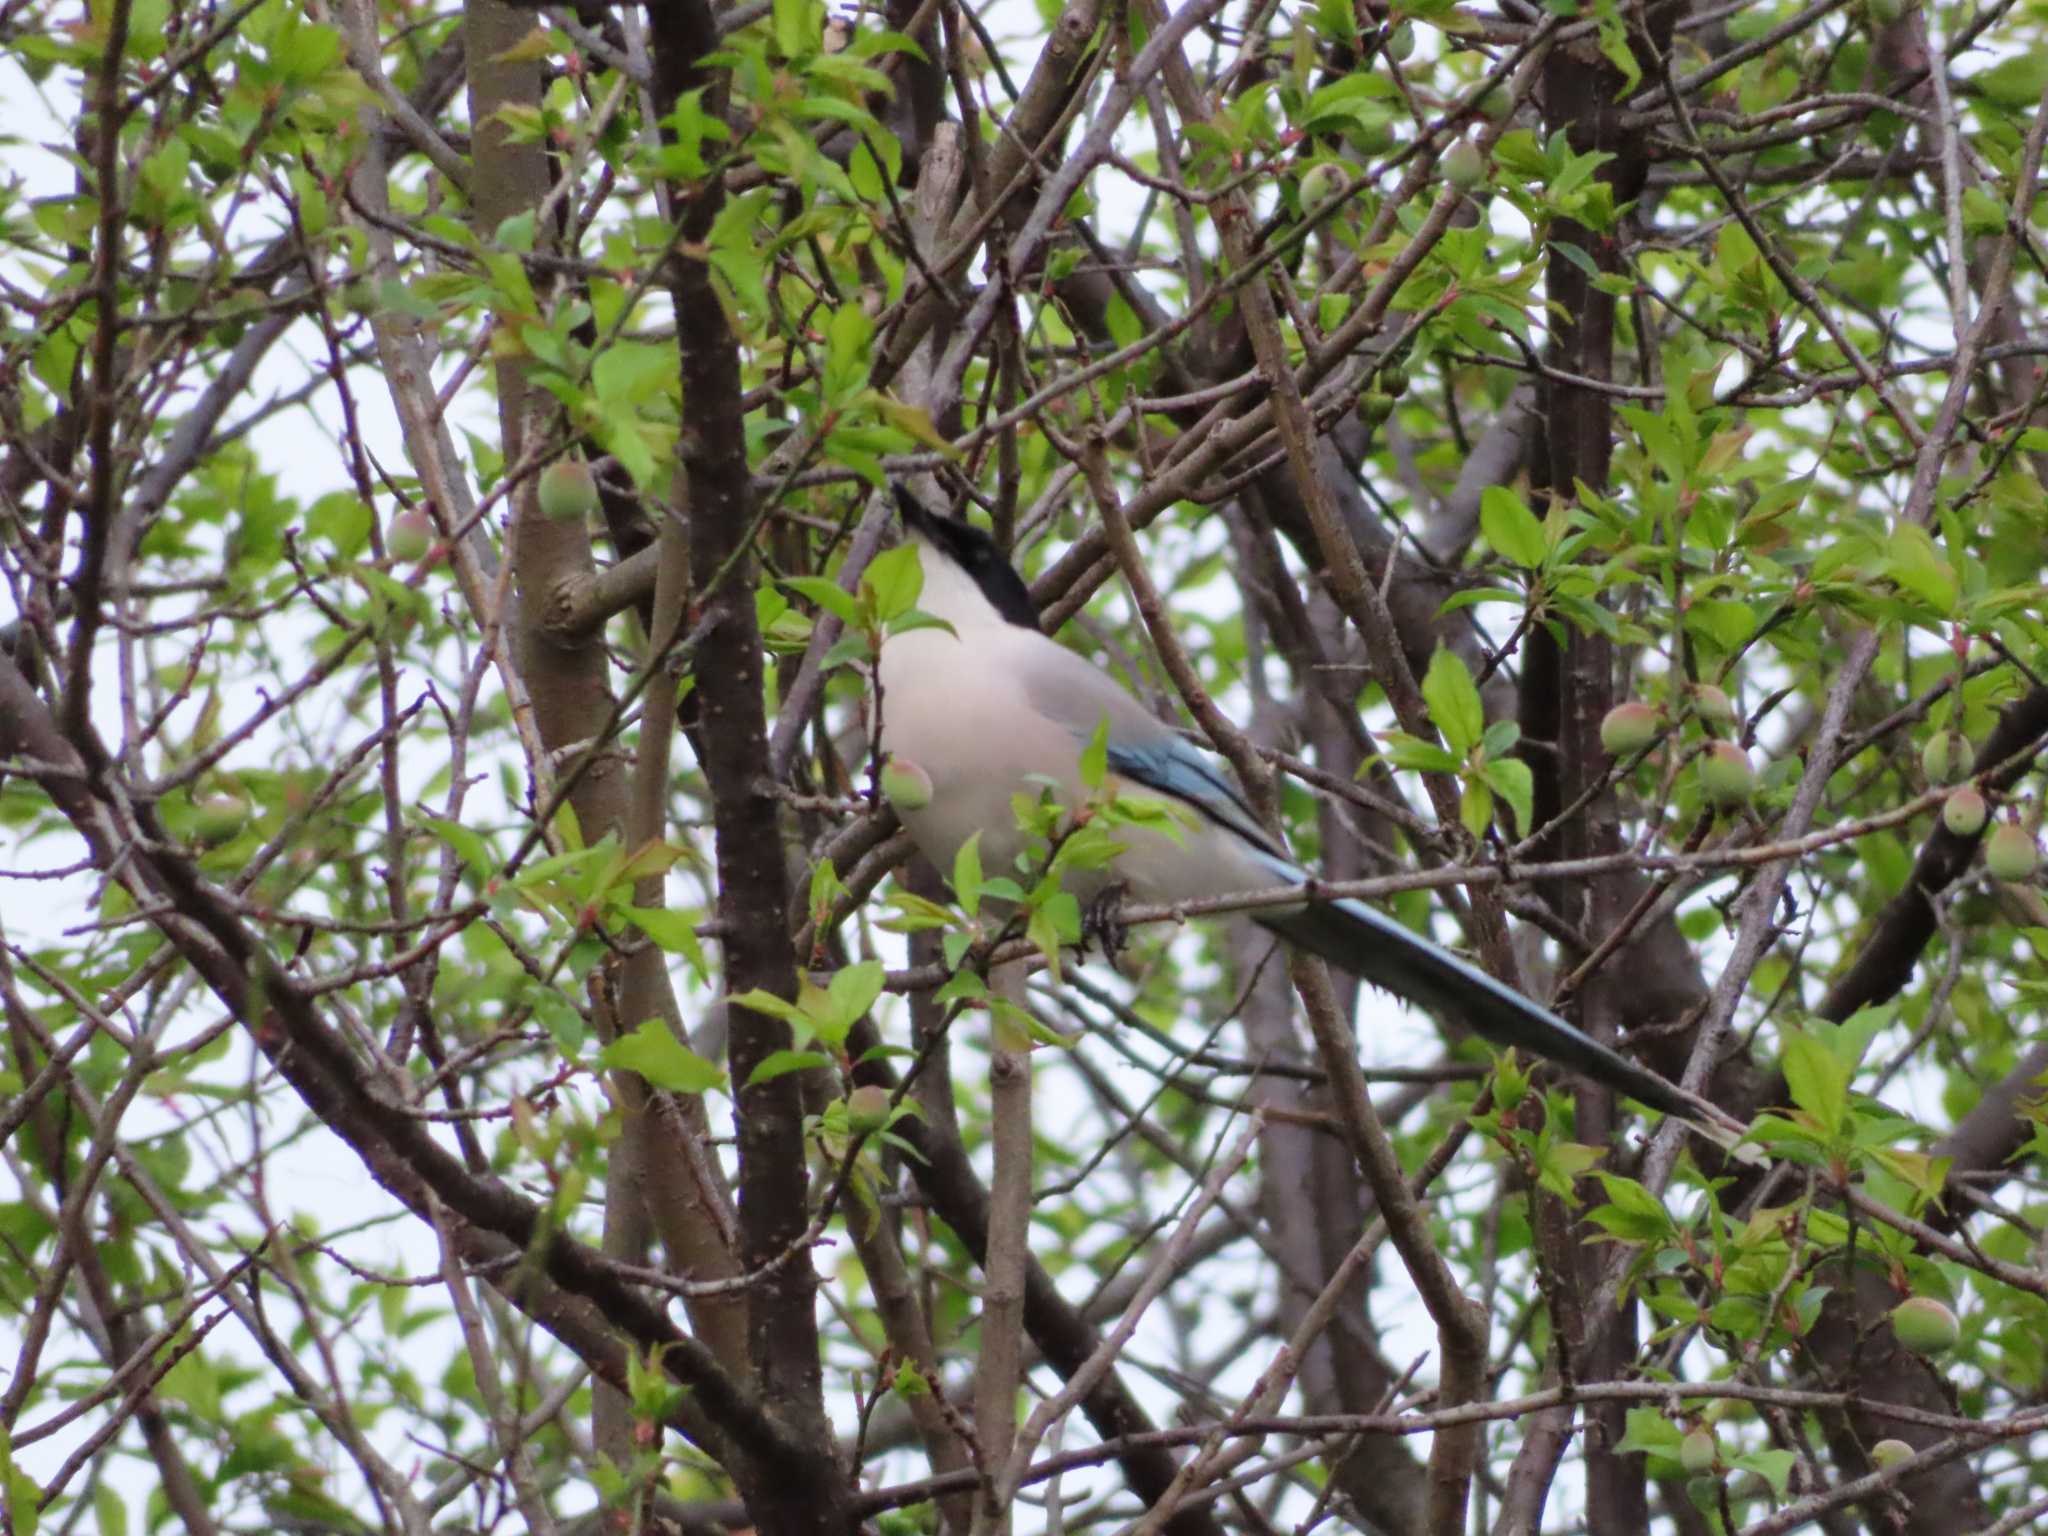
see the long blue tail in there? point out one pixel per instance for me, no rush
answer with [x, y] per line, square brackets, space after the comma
[1370, 945]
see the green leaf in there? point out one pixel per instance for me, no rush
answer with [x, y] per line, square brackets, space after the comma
[469, 845]
[649, 1388]
[1054, 922]
[1453, 702]
[110, 1510]
[1919, 567]
[690, 125]
[1774, 1466]
[1634, 1214]
[194, 1382]
[1726, 624]
[1735, 252]
[849, 647]
[1511, 528]
[1412, 752]
[673, 931]
[1510, 778]
[796, 29]
[1650, 1432]
[1095, 756]
[341, 519]
[631, 373]
[967, 875]
[964, 986]
[2016, 81]
[1041, 930]
[912, 421]
[656, 1054]
[1577, 256]
[838, 109]
[915, 914]
[1336, 20]
[19, 1494]
[781, 1063]
[849, 344]
[1576, 171]
[1475, 808]
[1852, 1038]
[854, 988]
[1472, 597]
[761, 1000]
[1169, 818]
[651, 858]
[1818, 1080]
[306, 52]
[895, 577]
[1983, 214]
[1614, 45]
[828, 595]
[624, 440]
[826, 886]
[1559, 1164]
[1519, 152]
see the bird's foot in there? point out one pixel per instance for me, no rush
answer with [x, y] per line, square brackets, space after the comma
[1102, 922]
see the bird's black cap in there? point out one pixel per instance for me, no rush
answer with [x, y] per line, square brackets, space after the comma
[976, 554]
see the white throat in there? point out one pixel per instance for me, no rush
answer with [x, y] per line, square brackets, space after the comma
[949, 593]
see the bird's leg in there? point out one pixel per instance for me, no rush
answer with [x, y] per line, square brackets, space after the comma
[1102, 921]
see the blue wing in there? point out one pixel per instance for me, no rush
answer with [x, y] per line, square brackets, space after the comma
[1172, 767]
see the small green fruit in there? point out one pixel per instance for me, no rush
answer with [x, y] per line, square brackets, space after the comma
[409, 537]
[1497, 103]
[1401, 43]
[1945, 758]
[907, 786]
[1372, 133]
[1925, 1326]
[1889, 1453]
[867, 1109]
[568, 491]
[219, 818]
[1629, 727]
[1963, 812]
[2010, 854]
[1712, 706]
[1726, 774]
[1321, 182]
[1393, 378]
[1375, 406]
[1464, 167]
[1699, 1451]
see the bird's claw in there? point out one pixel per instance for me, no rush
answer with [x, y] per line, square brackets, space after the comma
[1102, 922]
